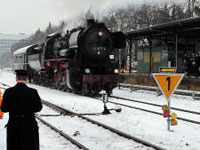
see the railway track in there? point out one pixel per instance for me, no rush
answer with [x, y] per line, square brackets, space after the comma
[147, 103]
[64, 112]
[118, 132]
[151, 111]
[66, 136]
[152, 104]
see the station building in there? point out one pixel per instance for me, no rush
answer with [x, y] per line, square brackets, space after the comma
[7, 40]
[163, 45]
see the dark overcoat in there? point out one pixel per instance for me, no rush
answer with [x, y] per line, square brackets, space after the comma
[22, 130]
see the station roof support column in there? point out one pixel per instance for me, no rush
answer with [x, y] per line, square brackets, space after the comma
[176, 51]
[150, 55]
[130, 53]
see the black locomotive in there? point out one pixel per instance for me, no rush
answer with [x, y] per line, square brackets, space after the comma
[79, 61]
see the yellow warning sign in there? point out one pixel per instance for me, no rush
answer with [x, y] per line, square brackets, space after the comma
[167, 82]
[167, 69]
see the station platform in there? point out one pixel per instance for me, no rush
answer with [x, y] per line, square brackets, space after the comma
[146, 79]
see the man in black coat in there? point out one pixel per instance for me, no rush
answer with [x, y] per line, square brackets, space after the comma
[21, 102]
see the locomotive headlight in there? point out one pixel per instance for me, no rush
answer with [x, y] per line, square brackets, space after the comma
[116, 71]
[100, 33]
[87, 70]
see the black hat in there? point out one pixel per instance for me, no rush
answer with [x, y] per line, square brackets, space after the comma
[21, 72]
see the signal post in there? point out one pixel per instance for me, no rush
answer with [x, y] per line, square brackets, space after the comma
[168, 80]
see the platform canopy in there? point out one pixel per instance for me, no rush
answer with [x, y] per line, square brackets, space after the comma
[181, 36]
[185, 29]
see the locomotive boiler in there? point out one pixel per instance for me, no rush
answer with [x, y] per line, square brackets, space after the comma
[80, 61]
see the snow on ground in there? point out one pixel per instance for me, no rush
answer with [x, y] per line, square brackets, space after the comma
[184, 102]
[88, 134]
[150, 127]
[151, 97]
[52, 140]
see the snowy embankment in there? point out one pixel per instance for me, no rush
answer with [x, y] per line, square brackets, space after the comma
[150, 127]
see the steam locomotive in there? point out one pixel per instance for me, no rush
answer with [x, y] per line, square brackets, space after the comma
[80, 61]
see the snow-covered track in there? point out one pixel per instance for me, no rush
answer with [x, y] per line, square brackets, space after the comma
[174, 108]
[79, 145]
[64, 111]
[118, 132]
[154, 112]
[4, 85]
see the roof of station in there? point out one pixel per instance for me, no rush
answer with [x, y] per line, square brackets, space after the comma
[185, 28]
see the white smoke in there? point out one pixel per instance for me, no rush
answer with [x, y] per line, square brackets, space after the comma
[96, 9]
[72, 8]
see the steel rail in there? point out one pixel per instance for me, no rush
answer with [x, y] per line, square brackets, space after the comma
[68, 112]
[180, 118]
[154, 112]
[133, 100]
[79, 145]
[4, 84]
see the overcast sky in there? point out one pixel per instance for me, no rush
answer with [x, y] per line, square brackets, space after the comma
[26, 16]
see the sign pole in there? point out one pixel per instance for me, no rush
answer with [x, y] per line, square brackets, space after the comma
[168, 82]
[168, 120]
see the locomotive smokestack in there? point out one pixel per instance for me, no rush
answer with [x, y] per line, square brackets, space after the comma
[90, 22]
